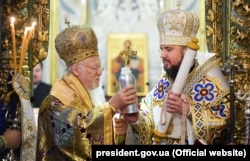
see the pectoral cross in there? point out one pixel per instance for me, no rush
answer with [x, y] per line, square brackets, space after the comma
[126, 54]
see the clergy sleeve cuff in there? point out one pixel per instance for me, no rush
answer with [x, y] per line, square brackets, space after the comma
[135, 126]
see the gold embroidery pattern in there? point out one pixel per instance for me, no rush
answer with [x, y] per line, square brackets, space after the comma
[199, 122]
[200, 108]
[21, 85]
[201, 73]
[79, 102]
[145, 132]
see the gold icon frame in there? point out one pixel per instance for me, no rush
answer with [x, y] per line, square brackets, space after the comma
[115, 44]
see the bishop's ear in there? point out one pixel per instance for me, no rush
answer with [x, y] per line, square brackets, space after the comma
[75, 69]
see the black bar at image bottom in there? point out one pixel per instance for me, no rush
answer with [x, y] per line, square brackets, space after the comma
[169, 152]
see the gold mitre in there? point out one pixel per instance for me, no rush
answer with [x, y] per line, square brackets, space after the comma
[177, 27]
[76, 43]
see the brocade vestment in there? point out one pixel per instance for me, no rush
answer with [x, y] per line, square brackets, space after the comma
[68, 123]
[207, 90]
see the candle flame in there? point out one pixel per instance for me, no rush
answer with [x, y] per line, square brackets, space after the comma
[33, 24]
[12, 20]
[28, 35]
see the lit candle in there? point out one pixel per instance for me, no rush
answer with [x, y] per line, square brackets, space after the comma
[13, 42]
[30, 34]
[27, 36]
[24, 40]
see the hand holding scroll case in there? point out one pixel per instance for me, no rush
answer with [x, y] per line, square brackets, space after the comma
[178, 85]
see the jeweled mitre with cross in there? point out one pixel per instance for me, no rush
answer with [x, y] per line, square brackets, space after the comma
[177, 27]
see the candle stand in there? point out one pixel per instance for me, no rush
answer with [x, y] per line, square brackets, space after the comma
[232, 68]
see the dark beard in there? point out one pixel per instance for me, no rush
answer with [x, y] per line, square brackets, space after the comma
[172, 72]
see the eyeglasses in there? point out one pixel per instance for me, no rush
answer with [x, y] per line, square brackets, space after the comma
[96, 68]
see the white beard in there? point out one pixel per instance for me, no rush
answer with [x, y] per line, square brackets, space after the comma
[97, 96]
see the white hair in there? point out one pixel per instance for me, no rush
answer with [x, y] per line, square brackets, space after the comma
[97, 96]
